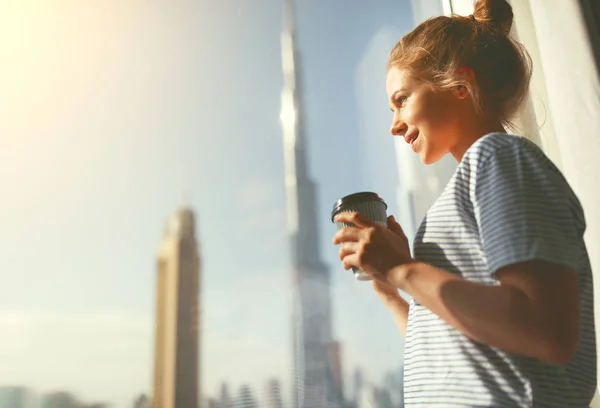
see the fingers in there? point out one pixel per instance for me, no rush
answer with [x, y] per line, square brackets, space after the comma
[350, 260]
[347, 234]
[350, 253]
[394, 226]
[348, 248]
[355, 218]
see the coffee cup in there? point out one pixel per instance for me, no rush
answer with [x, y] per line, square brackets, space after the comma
[366, 203]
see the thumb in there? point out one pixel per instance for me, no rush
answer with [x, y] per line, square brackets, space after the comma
[394, 226]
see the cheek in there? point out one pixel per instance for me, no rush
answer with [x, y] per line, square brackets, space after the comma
[434, 116]
[435, 111]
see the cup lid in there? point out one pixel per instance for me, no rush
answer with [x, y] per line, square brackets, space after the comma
[354, 198]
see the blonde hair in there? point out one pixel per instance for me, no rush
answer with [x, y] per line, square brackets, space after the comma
[437, 50]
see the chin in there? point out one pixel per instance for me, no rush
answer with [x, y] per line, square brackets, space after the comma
[429, 157]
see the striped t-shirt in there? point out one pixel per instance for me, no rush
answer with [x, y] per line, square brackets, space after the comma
[506, 203]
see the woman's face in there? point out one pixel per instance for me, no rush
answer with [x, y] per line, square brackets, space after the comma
[427, 119]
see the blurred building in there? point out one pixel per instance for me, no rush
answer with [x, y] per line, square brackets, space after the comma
[176, 358]
[225, 397]
[18, 397]
[142, 402]
[374, 397]
[273, 397]
[314, 384]
[358, 382]
[246, 398]
[378, 162]
[394, 383]
[60, 399]
[334, 356]
[210, 403]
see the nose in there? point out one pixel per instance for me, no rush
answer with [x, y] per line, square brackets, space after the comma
[399, 127]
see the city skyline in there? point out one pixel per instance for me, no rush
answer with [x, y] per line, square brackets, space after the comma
[23, 397]
[270, 395]
[142, 116]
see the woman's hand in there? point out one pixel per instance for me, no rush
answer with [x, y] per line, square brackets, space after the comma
[373, 248]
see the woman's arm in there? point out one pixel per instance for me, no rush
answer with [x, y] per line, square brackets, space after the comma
[533, 312]
[398, 307]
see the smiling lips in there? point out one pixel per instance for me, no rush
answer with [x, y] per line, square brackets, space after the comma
[411, 138]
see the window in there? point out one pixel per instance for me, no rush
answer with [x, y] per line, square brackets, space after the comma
[112, 113]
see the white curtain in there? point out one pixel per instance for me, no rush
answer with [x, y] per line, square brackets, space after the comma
[567, 41]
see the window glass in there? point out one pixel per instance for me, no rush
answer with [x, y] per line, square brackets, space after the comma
[165, 235]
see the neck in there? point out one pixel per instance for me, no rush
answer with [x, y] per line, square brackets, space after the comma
[472, 133]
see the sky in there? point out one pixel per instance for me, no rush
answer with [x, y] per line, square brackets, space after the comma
[112, 113]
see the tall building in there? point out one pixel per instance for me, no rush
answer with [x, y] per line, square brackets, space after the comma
[358, 382]
[246, 398]
[377, 159]
[393, 382]
[60, 400]
[176, 357]
[273, 397]
[374, 397]
[314, 382]
[18, 397]
[334, 357]
[210, 403]
[224, 397]
[142, 401]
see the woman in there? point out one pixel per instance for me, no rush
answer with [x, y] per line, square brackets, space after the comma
[501, 310]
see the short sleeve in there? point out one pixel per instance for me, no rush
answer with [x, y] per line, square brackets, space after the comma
[524, 209]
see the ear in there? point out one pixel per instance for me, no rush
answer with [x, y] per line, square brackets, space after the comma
[462, 92]
[466, 74]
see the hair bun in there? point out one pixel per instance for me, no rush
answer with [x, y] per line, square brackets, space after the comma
[497, 14]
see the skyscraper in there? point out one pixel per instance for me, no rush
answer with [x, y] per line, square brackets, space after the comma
[374, 397]
[358, 382]
[246, 398]
[273, 395]
[314, 384]
[176, 377]
[142, 401]
[60, 399]
[18, 397]
[224, 397]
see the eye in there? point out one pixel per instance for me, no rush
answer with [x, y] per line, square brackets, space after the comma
[400, 100]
